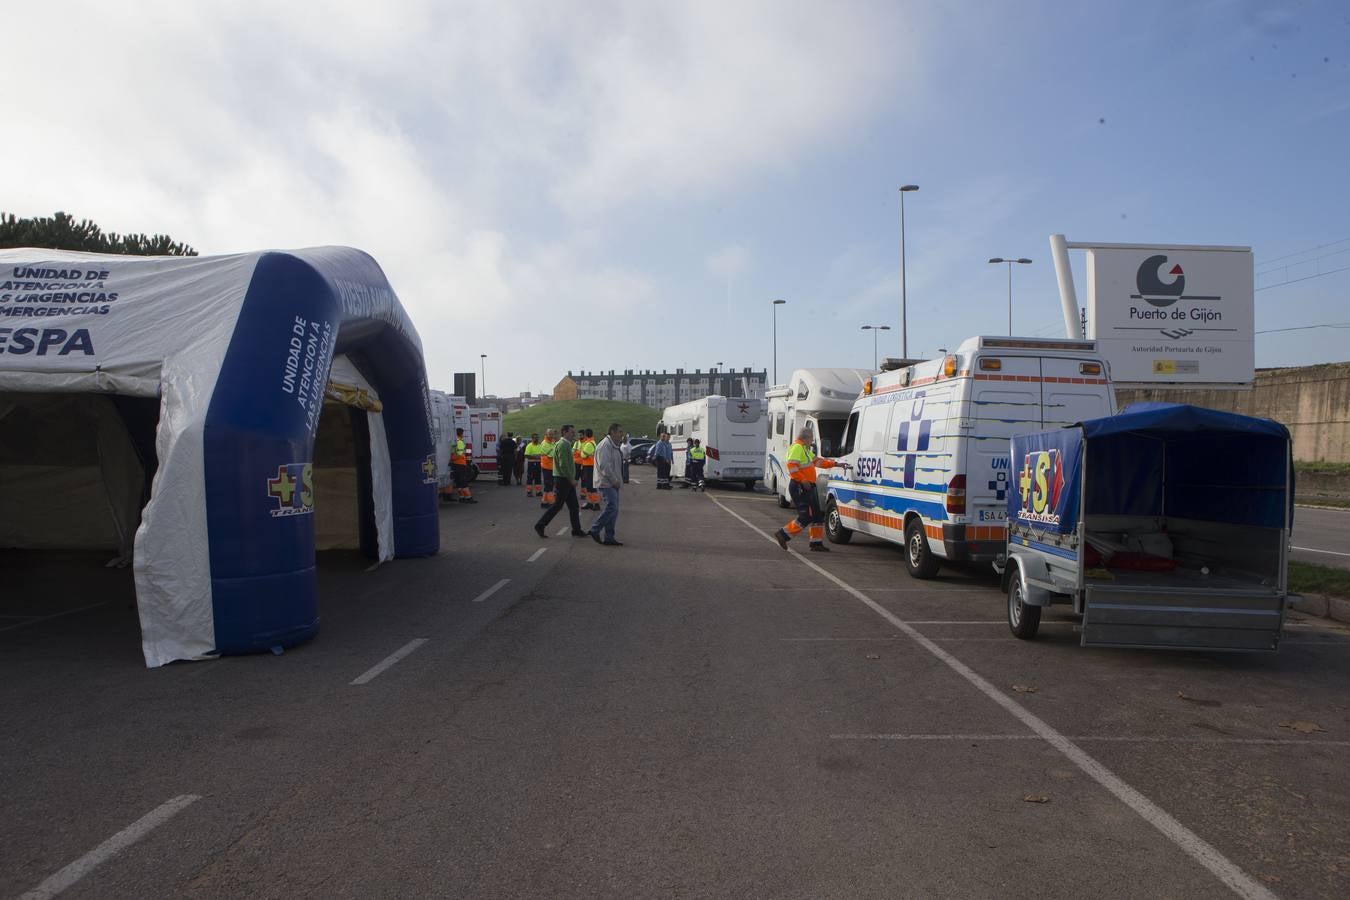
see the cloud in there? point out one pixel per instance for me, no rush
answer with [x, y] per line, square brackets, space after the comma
[483, 153]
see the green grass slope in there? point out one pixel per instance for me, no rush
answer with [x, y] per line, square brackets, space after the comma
[636, 419]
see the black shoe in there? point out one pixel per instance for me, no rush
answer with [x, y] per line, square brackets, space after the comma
[580, 534]
[470, 500]
[539, 530]
[612, 543]
[595, 536]
[545, 505]
[781, 538]
[819, 548]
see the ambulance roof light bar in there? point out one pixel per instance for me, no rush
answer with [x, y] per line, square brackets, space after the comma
[1036, 344]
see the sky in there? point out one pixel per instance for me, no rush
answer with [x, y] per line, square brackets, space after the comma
[609, 185]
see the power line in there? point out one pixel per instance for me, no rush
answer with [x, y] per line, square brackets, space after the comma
[1306, 327]
[1303, 252]
[1266, 287]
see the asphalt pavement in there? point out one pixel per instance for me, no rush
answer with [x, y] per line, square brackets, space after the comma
[694, 714]
[1322, 536]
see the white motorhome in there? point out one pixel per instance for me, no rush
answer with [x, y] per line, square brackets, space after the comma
[485, 425]
[820, 399]
[928, 444]
[728, 428]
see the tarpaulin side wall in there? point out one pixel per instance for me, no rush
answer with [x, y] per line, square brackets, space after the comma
[216, 569]
[1190, 463]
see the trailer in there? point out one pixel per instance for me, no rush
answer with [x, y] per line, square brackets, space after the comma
[1165, 526]
[728, 428]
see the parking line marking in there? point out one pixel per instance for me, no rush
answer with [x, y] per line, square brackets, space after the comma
[1194, 846]
[1315, 550]
[114, 845]
[492, 590]
[68, 612]
[1111, 739]
[389, 660]
[538, 553]
[563, 530]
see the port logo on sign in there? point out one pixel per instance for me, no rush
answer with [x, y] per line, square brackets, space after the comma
[1156, 292]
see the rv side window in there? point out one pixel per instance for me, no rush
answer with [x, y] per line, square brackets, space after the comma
[850, 432]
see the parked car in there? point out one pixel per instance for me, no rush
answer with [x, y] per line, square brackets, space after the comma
[638, 454]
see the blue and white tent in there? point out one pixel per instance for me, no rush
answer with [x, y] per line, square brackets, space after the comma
[239, 352]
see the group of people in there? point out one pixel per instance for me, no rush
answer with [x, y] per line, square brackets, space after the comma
[567, 468]
[573, 460]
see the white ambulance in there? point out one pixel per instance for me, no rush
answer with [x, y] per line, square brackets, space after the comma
[728, 428]
[820, 399]
[929, 444]
[448, 412]
[485, 426]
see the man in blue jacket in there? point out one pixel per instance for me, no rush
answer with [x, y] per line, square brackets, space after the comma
[662, 455]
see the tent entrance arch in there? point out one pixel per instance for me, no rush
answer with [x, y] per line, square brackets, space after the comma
[236, 352]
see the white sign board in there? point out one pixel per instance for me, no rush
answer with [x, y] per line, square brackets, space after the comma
[1174, 316]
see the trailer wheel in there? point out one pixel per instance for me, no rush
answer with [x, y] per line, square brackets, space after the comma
[834, 525]
[919, 558]
[1024, 620]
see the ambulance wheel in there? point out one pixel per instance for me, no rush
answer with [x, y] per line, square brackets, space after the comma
[1024, 620]
[834, 525]
[783, 502]
[919, 559]
[473, 471]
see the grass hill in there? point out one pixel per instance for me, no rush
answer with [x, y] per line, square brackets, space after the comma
[636, 419]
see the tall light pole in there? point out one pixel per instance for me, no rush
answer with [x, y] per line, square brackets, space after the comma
[776, 304]
[1021, 261]
[874, 329]
[482, 385]
[904, 321]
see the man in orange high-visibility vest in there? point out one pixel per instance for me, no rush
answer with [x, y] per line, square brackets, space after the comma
[802, 464]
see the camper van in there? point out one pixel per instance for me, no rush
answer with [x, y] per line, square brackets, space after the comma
[485, 425]
[819, 398]
[928, 444]
[728, 428]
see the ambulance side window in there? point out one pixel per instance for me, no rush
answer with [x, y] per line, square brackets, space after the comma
[782, 422]
[850, 432]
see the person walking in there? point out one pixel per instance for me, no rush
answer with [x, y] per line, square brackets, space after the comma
[546, 467]
[459, 465]
[564, 486]
[697, 456]
[506, 459]
[626, 448]
[802, 464]
[608, 481]
[662, 455]
[518, 464]
[533, 471]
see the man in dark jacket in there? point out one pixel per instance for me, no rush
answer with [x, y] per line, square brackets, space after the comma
[506, 459]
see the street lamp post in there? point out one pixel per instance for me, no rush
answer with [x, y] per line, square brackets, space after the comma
[874, 329]
[1021, 261]
[904, 321]
[776, 304]
[482, 384]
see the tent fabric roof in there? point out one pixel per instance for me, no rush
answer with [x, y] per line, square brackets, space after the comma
[1179, 418]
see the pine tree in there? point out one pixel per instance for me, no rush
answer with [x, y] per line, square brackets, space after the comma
[62, 232]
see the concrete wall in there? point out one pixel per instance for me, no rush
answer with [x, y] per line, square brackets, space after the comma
[1313, 402]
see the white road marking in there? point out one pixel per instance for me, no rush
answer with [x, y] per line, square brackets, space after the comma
[563, 530]
[69, 612]
[389, 660]
[1194, 846]
[634, 481]
[1112, 739]
[538, 553]
[1315, 550]
[110, 848]
[492, 590]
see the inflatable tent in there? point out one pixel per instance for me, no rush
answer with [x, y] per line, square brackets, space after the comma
[167, 408]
